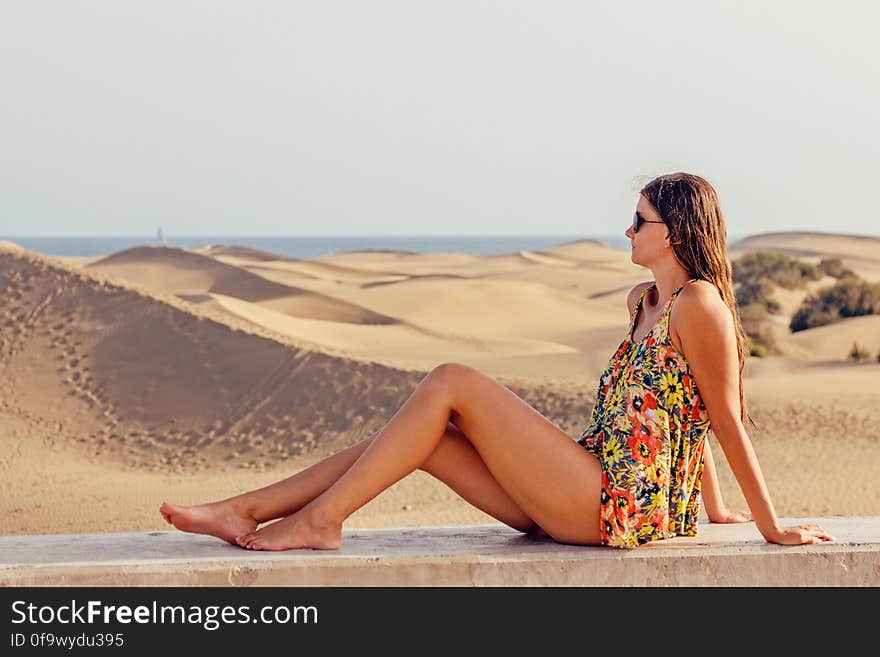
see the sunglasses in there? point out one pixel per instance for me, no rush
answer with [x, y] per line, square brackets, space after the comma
[638, 221]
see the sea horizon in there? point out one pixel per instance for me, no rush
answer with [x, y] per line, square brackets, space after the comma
[316, 246]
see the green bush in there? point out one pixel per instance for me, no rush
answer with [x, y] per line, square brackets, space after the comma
[757, 293]
[834, 267]
[761, 343]
[849, 297]
[756, 349]
[755, 276]
[759, 337]
[858, 353]
[753, 286]
[777, 268]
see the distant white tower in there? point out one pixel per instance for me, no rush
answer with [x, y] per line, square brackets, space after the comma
[161, 237]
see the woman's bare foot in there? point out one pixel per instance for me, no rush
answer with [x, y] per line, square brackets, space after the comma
[220, 519]
[302, 529]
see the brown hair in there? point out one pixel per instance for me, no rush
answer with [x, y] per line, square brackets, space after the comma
[689, 206]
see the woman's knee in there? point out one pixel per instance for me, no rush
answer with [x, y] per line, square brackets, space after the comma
[450, 373]
[455, 380]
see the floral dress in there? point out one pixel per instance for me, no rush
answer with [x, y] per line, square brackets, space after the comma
[647, 429]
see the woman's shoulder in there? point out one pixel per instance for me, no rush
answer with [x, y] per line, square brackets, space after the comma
[701, 293]
[699, 304]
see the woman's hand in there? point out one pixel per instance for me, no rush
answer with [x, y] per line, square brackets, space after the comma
[797, 535]
[726, 516]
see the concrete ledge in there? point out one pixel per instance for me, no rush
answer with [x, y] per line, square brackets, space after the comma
[465, 555]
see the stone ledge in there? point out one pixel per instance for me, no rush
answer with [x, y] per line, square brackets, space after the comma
[462, 555]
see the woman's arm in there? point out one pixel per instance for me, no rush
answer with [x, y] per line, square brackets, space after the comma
[708, 340]
[711, 492]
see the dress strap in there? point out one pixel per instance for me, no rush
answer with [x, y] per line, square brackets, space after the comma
[663, 322]
[683, 286]
[688, 282]
[672, 298]
[635, 311]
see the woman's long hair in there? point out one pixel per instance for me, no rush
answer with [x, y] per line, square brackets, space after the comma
[689, 206]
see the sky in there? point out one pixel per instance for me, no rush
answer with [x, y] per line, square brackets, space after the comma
[432, 118]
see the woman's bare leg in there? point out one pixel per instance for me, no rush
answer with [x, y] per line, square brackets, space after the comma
[455, 462]
[553, 481]
[240, 514]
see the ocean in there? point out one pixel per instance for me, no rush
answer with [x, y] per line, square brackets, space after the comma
[314, 246]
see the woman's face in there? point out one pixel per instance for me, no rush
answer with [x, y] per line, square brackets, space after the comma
[652, 239]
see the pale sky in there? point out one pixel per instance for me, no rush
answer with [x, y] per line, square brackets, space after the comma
[454, 117]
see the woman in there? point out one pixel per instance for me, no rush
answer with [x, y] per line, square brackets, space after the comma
[637, 473]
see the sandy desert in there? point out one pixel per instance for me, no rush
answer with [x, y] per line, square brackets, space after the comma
[158, 373]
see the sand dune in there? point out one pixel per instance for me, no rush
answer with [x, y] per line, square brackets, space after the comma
[834, 341]
[142, 378]
[544, 258]
[238, 252]
[400, 318]
[404, 342]
[402, 261]
[326, 272]
[193, 375]
[584, 250]
[861, 254]
[309, 269]
[10, 246]
[811, 243]
[175, 271]
[831, 342]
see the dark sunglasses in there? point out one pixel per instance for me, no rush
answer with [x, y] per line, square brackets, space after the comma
[638, 221]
